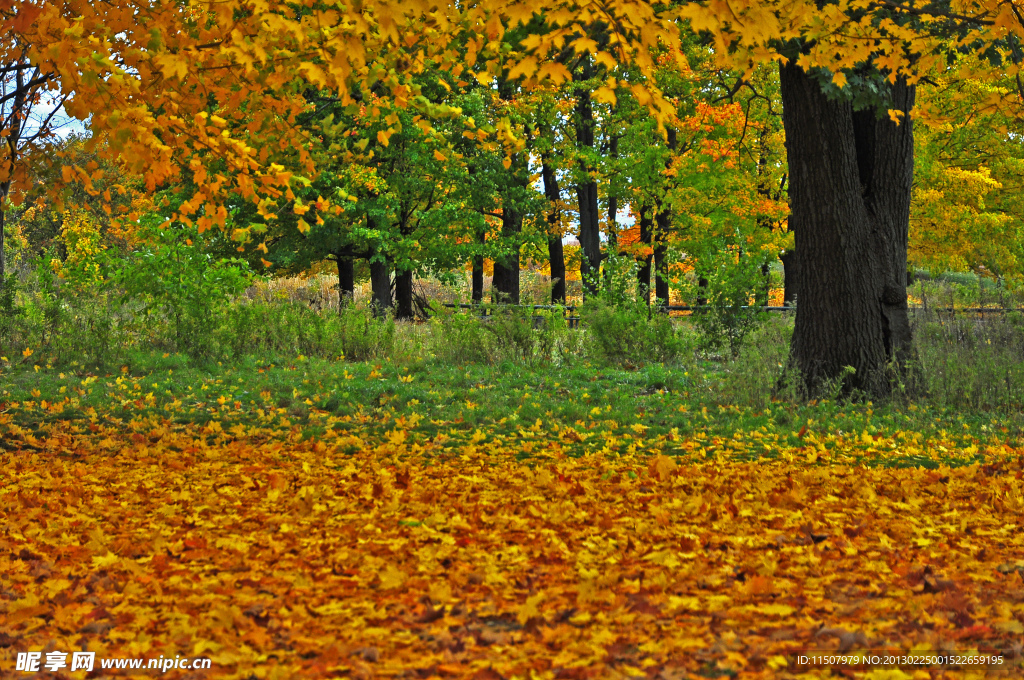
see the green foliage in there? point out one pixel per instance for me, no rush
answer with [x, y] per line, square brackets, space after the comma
[972, 362]
[364, 335]
[173, 277]
[758, 372]
[630, 331]
[10, 310]
[511, 333]
[520, 335]
[735, 291]
[457, 338]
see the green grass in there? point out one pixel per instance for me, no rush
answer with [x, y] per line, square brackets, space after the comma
[583, 407]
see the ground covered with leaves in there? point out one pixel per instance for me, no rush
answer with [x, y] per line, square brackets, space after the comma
[618, 529]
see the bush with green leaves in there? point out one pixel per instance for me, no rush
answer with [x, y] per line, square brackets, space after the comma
[364, 335]
[172, 277]
[11, 313]
[622, 325]
[631, 331]
[735, 289]
[457, 338]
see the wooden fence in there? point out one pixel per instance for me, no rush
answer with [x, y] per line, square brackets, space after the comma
[573, 321]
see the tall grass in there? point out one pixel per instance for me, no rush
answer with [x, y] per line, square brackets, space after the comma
[969, 361]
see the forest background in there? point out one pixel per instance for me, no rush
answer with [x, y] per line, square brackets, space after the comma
[229, 384]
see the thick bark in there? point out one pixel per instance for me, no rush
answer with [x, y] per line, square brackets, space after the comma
[346, 280]
[556, 255]
[380, 282]
[505, 284]
[849, 192]
[403, 295]
[586, 190]
[660, 265]
[646, 235]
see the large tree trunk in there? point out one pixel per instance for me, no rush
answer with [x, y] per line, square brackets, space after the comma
[403, 295]
[556, 255]
[849, 194]
[661, 291]
[505, 284]
[506, 269]
[586, 190]
[346, 280]
[380, 282]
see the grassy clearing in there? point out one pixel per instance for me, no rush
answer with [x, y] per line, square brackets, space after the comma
[584, 407]
[498, 500]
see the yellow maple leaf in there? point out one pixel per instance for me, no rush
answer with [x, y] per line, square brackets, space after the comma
[606, 95]
[839, 79]
[529, 609]
[392, 577]
[108, 560]
[662, 467]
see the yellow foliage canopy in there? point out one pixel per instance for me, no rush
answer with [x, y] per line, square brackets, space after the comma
[147, 74]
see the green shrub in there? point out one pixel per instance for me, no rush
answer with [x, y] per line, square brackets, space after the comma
[176, 280]
[457, 338]
[970, 362]
[365, 336]
[752, 376]
[511, 334]
[630, 330]
[735, 292]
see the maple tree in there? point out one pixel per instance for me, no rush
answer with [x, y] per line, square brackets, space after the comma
[214, 90]
[965, 214]
[30, 114]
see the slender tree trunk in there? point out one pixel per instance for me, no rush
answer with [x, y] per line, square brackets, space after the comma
[477, 295]
[586, 190]
[3, 223]
[661, 291]
[646, 238]
[664, 221]
[346, 280]
[702, 291]
[764, 189]
[850, 183]
[556, 255]
[613, 209]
